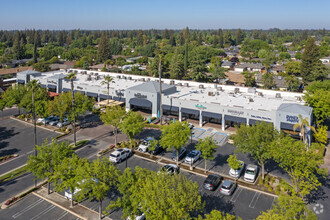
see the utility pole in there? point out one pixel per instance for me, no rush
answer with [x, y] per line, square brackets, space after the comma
[160, 89]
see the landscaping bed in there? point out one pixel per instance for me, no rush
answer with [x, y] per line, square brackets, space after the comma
[7, 157]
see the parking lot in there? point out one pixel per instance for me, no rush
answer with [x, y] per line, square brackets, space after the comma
[32, 207]
[17, 137]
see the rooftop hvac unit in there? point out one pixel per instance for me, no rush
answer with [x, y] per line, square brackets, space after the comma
[298, 98]
[219, 88]
[172, 82]
[201, 86]
[89, 78]
[96, 74]
[218, 93]
[179, 84]
[97, 77]
[210, 94]
[260, 94]
[69, 71]
[186, 84]
[129, 78]
[143, 79]
[92, 73]
[75, 71]
[118, 77]
[124, 77]
[278, 95]
[250, 99]
[236, 90]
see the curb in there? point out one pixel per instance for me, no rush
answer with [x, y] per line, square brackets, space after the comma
[36, 125]
[54, 203]
[13, 170]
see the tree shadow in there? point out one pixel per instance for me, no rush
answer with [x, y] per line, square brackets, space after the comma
[6, 133]
[149, 133]
[319, 194]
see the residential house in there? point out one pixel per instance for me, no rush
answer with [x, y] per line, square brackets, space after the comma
[276, 69]
[227, 64]
[251, 67]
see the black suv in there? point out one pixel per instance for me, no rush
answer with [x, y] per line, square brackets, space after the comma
[212, 182]
[182, 153]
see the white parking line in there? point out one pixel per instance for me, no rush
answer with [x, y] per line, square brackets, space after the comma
[236, 195]
[254, 200]
[27, 208]
[43, 212]
[62, 216]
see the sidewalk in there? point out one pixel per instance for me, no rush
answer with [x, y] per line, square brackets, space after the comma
[326, 164]
[59, 201]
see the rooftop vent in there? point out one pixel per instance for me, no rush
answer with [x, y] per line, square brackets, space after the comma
[278, 95]
[201, 86]
[219, 88]
[298, 98]
[148, 79]
[129, 78]
[236, 90]
[211, 94]
[118, 77]
[96, 74]
[250, 99]
[91, 73]
[179, 84]
[172, 82]
[260, 94]
[186, 84]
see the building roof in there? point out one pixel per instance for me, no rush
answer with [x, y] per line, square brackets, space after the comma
[29, 72]
[250, 65]
[152, 87]
[14, 70]
[292, 107]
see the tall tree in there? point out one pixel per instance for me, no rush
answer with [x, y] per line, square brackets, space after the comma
[14, 95]
[186, 56]
[220, 38]
[239, 37]
[71, 77]
[113, 116]
[292, 82]
[219, 73]
[131, 125]
[18, 47]
[256, 140]
[268, 81]
[249, 79]
[99, 177]
[175, 136]
[208, 147]
[310, 60]
[177, 66]
[104, 48]
[107, 80]
[49, 156]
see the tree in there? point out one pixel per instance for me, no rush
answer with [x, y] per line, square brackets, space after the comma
[175, 136]
[293, 83]
[113, 116]
[239, 37]
[159, 196]
[208, 147]
[293, 68]
[177, 66]
[71, 76]
[303, 124]
[286, 208]
[67, 175]
[41, 66]
[103, 52]
[49, 156]
[321, 134]
[301, 164]
[186, 56]
[233, 162]
[18, 47]
[131, 125]
[39, 94]
[284, 55]
[99, 177]
[268, 81]
[107, 80]
[256, 140]
[14, 95]
[220, 38]
[217, 215]
[249, 79]
[310, 60]
[219, 73]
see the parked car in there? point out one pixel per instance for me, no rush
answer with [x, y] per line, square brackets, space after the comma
[171, 169]
[251, 173]
[182, 153]
[65, 122]
[157, 150]
[191, 126]
[41, 120]
[69, 194]
[228, 187]
[192, 156]
[120, 155]
[54, 121]
[143, 147]
[237, 173]
[212, 182]
[138, 216]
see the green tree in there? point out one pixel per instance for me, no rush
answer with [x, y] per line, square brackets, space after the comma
[239, 37]
[67, 175]
[159, 196]
[268, 81]
[310, 60]
[293, 68]
[321, 135]
[217, 215]
[71, 76]
[303, 124]
[284, 56]
[286, 208]
[113, 116]
[208, 147]
[301, 164]
[49, 156]
[103, 52]
[263, 53]
[219, 73]
[131, 125]
[41, 66]
[233, 162]
[186, 57]
[177, 66]
[256, 140]
[220, 38]
[107, 80]
[175, 136]
[293, 83]
[14, 95]
[249, 79]
[18, 50]
[99, 177]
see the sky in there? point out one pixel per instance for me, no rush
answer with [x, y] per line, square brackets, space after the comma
[161, 14]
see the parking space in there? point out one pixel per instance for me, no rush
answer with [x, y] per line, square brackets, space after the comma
[17, 138]
[33, 208]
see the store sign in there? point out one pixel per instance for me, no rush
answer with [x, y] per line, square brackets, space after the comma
[52, 82]
[261, 117]
[292, 119]
[140, 96]
[200, 106]
[235, 112]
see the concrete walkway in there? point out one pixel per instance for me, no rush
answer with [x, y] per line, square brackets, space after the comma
[59, 201]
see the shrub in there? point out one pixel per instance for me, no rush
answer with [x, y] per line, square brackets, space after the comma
[270, 189]
[261, 181]
[277, 190]
[9, 201]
